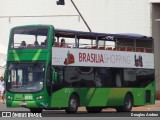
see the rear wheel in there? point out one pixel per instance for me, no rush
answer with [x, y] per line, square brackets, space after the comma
[73, 104]
[35, 110]
[94, 109]
[128, 103]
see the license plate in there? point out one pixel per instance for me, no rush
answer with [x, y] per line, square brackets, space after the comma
[23, 103]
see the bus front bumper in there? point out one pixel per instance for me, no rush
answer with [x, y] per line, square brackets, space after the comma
[27, 104]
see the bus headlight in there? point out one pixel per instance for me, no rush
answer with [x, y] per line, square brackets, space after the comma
[9, 98]
[39, 97]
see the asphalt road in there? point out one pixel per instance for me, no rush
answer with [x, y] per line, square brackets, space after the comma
[137, 112]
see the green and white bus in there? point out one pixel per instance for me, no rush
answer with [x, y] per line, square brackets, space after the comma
[95, 70]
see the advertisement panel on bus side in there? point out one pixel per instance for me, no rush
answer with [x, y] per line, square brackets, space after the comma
[101, 58]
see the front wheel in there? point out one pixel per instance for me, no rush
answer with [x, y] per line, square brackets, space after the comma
[128, 103]
[73, 104]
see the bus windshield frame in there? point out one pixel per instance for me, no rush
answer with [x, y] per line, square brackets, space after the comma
[29, 37]
[25, 77]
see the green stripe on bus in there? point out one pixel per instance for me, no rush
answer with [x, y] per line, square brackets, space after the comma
[89, 95]
[37, 55]
[16, 56]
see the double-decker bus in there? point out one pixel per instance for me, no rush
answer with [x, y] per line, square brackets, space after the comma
[94, 70]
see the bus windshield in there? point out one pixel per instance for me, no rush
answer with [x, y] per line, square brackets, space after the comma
[25, 77]
[27, 37]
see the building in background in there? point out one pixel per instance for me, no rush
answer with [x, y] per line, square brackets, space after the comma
[155, 33]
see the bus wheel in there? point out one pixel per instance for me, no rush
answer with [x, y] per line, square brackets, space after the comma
[128, 103]
[35, 110]
[73, 104]
[94, 109]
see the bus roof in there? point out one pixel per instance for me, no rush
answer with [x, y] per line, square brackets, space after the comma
[101, 36]
[92, 35]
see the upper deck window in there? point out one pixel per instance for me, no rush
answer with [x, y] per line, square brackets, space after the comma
[29, 37]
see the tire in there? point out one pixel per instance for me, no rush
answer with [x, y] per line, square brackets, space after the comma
[94, 109]
[36, 110]
[128, 103]
[73, 104]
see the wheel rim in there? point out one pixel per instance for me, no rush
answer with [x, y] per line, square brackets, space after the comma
[128, 103]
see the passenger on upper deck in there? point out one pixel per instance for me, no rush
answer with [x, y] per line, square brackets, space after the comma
[44, 43]
[63, 44]
[23, 44]
[55, 43]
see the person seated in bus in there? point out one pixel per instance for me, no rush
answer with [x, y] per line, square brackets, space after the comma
[55, 43]
[63, 44]
[36, 43]
[23, 44]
